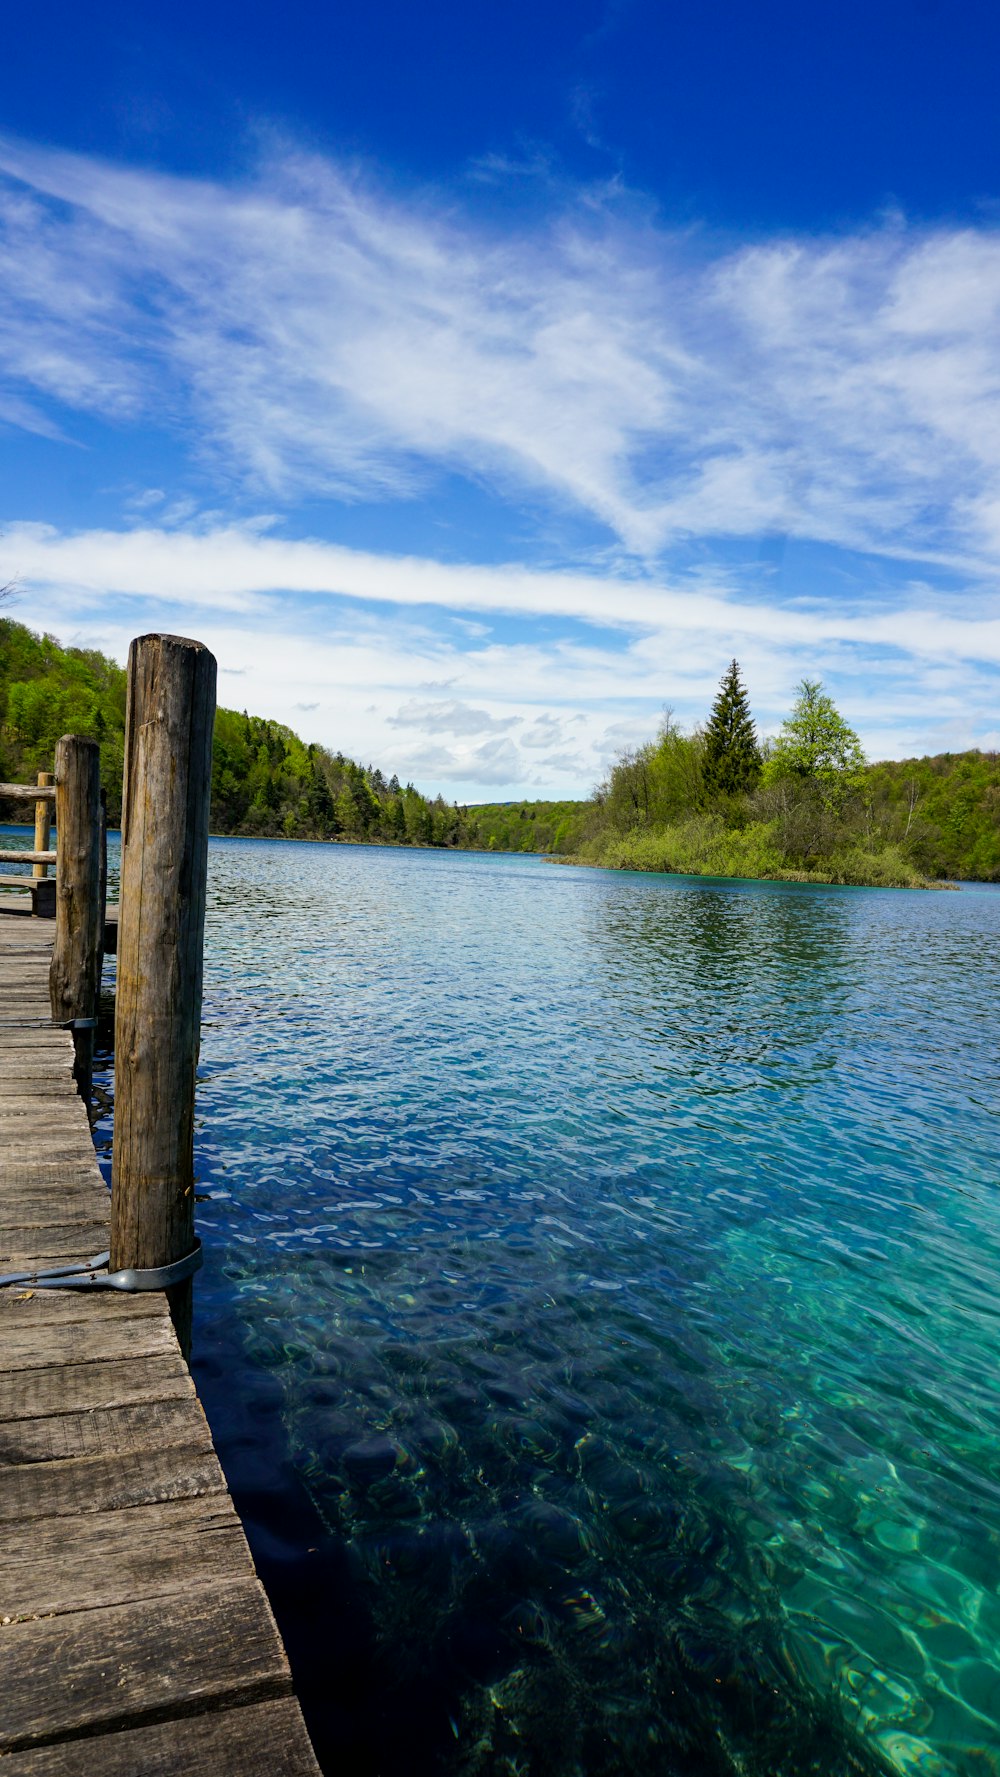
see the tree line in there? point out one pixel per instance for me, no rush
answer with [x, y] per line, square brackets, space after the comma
[805, 805]
[716, 800]
[265, 780]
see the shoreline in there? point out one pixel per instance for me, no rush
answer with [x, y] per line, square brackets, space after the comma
[805, 878]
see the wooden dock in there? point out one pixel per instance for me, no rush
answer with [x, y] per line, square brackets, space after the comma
[135, 1635]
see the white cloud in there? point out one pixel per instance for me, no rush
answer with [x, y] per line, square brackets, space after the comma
[304, 332]
[495, 762]
[239, 570]
[544, 711]
[546, 731]
[310, 332]
[449, 718]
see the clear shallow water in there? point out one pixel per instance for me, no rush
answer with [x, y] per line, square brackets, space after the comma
[600, 1328]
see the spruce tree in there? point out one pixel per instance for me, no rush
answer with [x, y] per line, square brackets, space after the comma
[731, 760]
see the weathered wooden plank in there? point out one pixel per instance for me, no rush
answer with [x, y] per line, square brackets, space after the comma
[36, 1079]
[139, 1662]
[127, 1594]
[28, 792]
[68, 1343]
[31, 1173]
[106, 1483]
[243, 1742]
[38, 1075]
[99, 1430]
[62, 1181]
[50, 1208]
[77, 1240]
[18, 1308]
[86, 1388]
[61, 1564]
[50, 1134]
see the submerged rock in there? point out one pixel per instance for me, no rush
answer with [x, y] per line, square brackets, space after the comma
[370, 1459]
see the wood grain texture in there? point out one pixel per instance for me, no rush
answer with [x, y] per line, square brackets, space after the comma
[19, 1309]
[74, 974]
[166, 792]
[87, 1388]
[43, 822]
[106, 1483]
[246, 1741]
[26, 792]
[138, 1662]
[98, 1430]
[60, 1564]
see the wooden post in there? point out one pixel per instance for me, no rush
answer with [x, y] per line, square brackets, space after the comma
[165, 808]
[43, 824]
[73, 975]
[102, 885]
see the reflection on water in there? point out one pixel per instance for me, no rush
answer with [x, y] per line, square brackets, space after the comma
[600, 1323]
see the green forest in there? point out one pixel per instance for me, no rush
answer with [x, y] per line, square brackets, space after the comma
[805, 805]
[265, 780]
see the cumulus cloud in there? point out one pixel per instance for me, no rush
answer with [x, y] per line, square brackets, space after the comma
[546, 731]
[495, 762]
[312, 332]
[449, 718]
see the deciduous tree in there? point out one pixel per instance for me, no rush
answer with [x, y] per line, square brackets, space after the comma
[816, 743]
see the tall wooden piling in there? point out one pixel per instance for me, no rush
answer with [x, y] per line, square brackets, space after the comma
[43, 824]
[165, 809]
[74, 972]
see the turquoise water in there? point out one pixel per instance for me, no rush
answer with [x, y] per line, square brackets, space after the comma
[600, 1324]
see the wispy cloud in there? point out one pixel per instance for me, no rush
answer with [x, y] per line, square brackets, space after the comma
[239, 569]
[301, 331]
[544, 710]
[311, 331]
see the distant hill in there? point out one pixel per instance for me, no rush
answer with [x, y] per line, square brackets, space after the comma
[265, 780]
[947, 809]
[941, 812]
[527, 826]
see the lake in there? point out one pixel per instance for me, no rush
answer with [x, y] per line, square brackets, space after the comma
[600, 1323]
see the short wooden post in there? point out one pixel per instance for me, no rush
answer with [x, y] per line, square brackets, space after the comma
[102, 884]
[74, 973]
[165, 808]
[43, 824]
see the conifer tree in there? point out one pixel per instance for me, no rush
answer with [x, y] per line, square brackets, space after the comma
[731, 761]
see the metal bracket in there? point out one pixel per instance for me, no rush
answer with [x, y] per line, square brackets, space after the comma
[48, 1023]
[91, 1275]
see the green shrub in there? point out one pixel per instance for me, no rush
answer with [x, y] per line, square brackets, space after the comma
[701, 846]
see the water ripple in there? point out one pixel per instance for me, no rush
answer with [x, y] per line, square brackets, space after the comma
[610, 1264]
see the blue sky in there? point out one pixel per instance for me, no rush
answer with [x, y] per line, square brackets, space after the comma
[477, 380]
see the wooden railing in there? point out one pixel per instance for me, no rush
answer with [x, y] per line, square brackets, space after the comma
[74, 899]
[43, 795]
